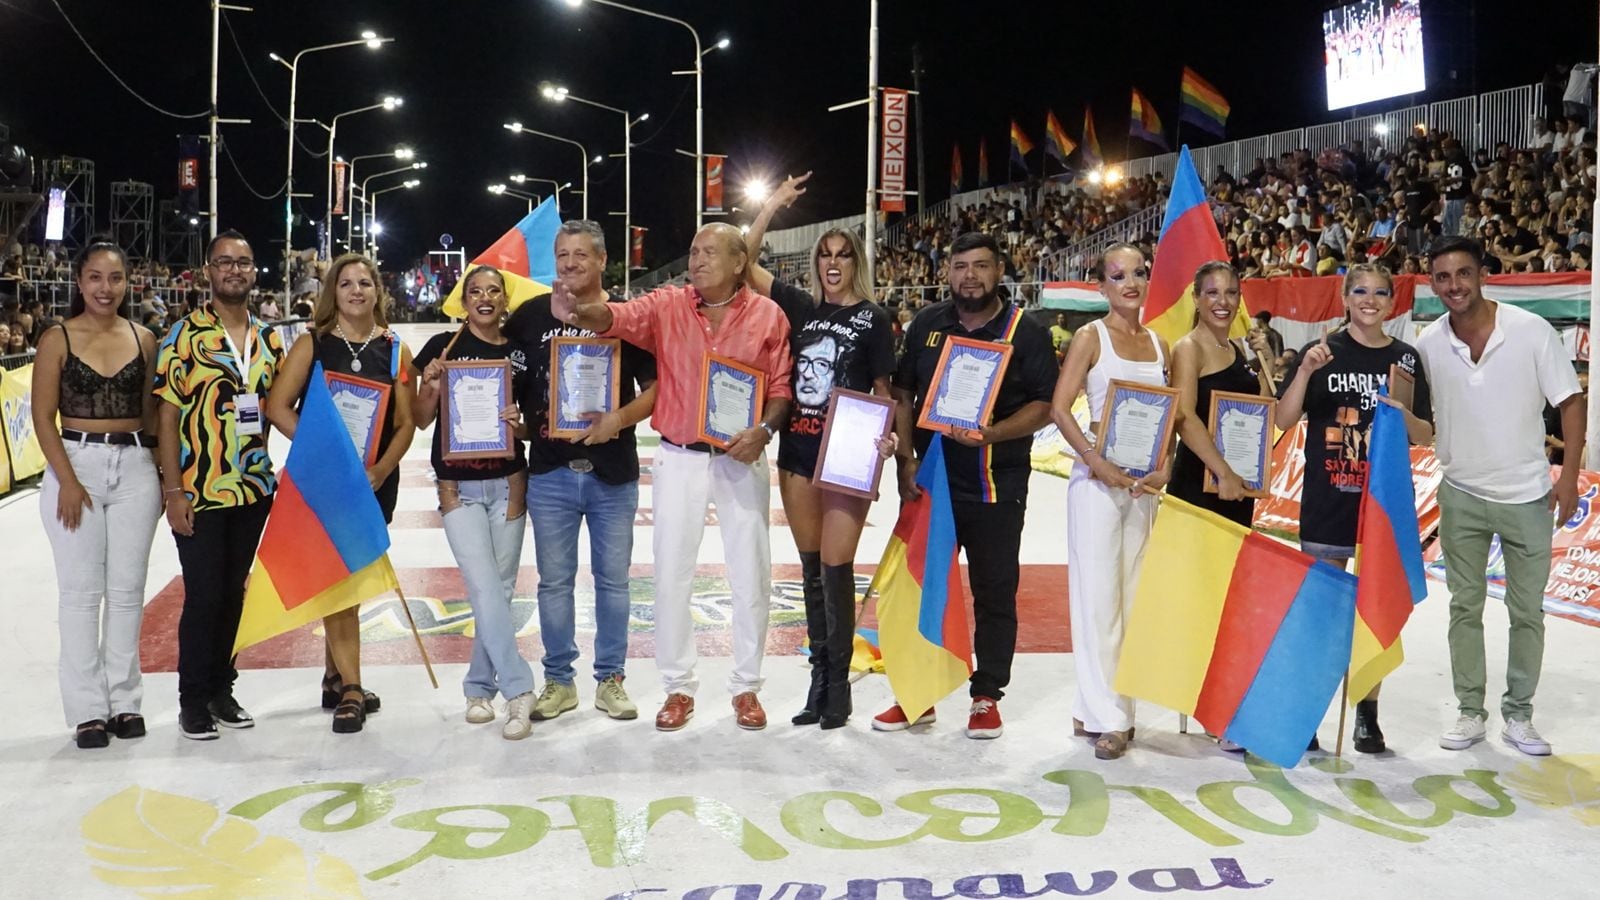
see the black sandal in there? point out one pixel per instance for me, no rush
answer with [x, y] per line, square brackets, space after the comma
[351, 713]
[126, 726]
[92, 735]
[332, 691]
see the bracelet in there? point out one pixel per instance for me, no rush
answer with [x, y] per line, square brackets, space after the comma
[173, 491]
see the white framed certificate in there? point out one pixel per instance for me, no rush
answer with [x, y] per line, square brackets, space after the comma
[849, 461]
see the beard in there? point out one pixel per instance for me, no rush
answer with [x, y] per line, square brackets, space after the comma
[976, 304]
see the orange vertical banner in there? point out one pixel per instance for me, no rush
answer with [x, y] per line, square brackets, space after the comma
[714, 183]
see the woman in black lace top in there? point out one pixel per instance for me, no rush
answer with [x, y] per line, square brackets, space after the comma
[101, 496]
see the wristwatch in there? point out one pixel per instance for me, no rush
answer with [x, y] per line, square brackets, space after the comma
[768, 429]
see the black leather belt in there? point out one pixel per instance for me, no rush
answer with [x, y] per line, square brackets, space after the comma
[118, 438]
[698, 447]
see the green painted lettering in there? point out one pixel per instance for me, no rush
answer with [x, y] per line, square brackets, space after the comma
[524, 827]
[367, 804]
[1012, 815]
[806, 818]
[1303, 809]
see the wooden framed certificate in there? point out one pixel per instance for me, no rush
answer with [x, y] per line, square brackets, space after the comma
[364, 407]
[965, 383]
[585, 377]
[1136, 425]
[849, 462]
[731, 397]
[1402, 386]
[1241, 430]
[470, 400]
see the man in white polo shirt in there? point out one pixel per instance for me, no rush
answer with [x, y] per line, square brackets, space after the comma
[1492, 367]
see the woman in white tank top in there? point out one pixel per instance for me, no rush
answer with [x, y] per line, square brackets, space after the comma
[1109, 512]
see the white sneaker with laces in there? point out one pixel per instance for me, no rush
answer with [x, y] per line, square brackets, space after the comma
[518, 722]
[1521, 735]
[1467, 731]
[480, 710]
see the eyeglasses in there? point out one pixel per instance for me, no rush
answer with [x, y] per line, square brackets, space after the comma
[818, 367]
[239, 265]
[492, 293]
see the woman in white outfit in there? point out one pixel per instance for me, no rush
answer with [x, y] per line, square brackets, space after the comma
[102, 495]
[1109, 512]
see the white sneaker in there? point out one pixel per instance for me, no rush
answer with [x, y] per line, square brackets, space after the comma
[518, 725]
[1521, 735]
[480, 710]
[1467, 731]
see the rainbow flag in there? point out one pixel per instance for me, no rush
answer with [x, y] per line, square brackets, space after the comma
[1091, 144]
[1189, 239]
[1202, 105]
[1143, 123]
[526, 254]
[922, 612]
[325, 547]
[1059, 146]
[983, 162]
[956, 175]
[1246, 634]
[1020, 146]
[1390, 579]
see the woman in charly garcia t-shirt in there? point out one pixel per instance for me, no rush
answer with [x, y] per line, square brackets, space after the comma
[840, 339]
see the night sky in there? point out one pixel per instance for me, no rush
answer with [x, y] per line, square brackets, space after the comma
[465, 67]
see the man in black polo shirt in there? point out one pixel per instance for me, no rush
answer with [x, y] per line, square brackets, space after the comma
[988, 471]
[594, 477]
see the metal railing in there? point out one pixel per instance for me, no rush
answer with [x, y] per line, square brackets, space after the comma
[15, 360]
[1074, 261]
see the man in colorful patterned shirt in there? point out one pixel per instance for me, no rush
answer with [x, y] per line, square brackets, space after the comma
[213, 371]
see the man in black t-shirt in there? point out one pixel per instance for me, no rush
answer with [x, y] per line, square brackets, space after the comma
[593, 477]
[988, 470]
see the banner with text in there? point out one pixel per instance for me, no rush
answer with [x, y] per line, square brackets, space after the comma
[892, 168]
[16, 417]
[339, 174]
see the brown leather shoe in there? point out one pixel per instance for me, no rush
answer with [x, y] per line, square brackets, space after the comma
[748, 712]
[675, 713]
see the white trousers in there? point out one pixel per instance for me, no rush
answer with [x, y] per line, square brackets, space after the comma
[100, 574]
[684, 483]
[1106, 534]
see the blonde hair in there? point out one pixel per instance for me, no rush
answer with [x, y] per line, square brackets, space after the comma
[861, 283]
[1373, 269]
[326, 311]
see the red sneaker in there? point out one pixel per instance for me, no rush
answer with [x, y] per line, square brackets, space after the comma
[894, 719]
[983, 721]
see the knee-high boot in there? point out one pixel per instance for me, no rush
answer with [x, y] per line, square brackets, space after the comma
[811, 587]
[839, 593]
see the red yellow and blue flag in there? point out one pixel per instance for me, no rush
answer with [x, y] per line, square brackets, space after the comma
[1246, 634]
[1020, 146]
[1091, 143]
[923, 632]
[526, 254]
[325, 547]
[1143, 123]
[983, 162]
[1202, 105]
[1189, 240]
[956, 175]
[1059, 145]
[1390, 578]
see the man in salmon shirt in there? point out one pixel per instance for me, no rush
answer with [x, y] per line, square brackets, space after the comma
[682, 326]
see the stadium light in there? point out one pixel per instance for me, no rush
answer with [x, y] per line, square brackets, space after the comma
[757, 191]
[376, 229]
[1096, 176]
[1381, 129]
[1113, 175]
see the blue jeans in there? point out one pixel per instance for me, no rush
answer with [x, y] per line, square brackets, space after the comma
[558, 501]
[487, 548]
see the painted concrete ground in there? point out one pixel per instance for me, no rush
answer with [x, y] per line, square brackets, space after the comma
[423, 805]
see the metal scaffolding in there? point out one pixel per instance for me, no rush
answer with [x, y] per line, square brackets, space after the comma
[133, 217]
[180, 238]
[77, 177]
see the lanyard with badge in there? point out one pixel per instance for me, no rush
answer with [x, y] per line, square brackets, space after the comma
[246, 403]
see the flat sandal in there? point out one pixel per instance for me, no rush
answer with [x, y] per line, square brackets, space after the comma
[1111, 745]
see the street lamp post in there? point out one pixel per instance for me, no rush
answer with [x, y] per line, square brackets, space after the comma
[699, 107]
[366, 204]
[371, 41]
[502, 190]
[388, 104]
[518, 128]
[372, 230]
[401, 152]
[560, 94]
[557, 186]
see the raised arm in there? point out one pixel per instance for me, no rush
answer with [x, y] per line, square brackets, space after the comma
[759, 279]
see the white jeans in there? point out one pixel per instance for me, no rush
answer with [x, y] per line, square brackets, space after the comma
[100, 573]
[1106, 534]
[684, 483]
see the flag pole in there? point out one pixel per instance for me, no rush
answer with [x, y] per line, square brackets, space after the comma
[428, 664]
[1344, 706]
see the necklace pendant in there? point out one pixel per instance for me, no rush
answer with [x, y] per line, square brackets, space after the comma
[355, 365]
